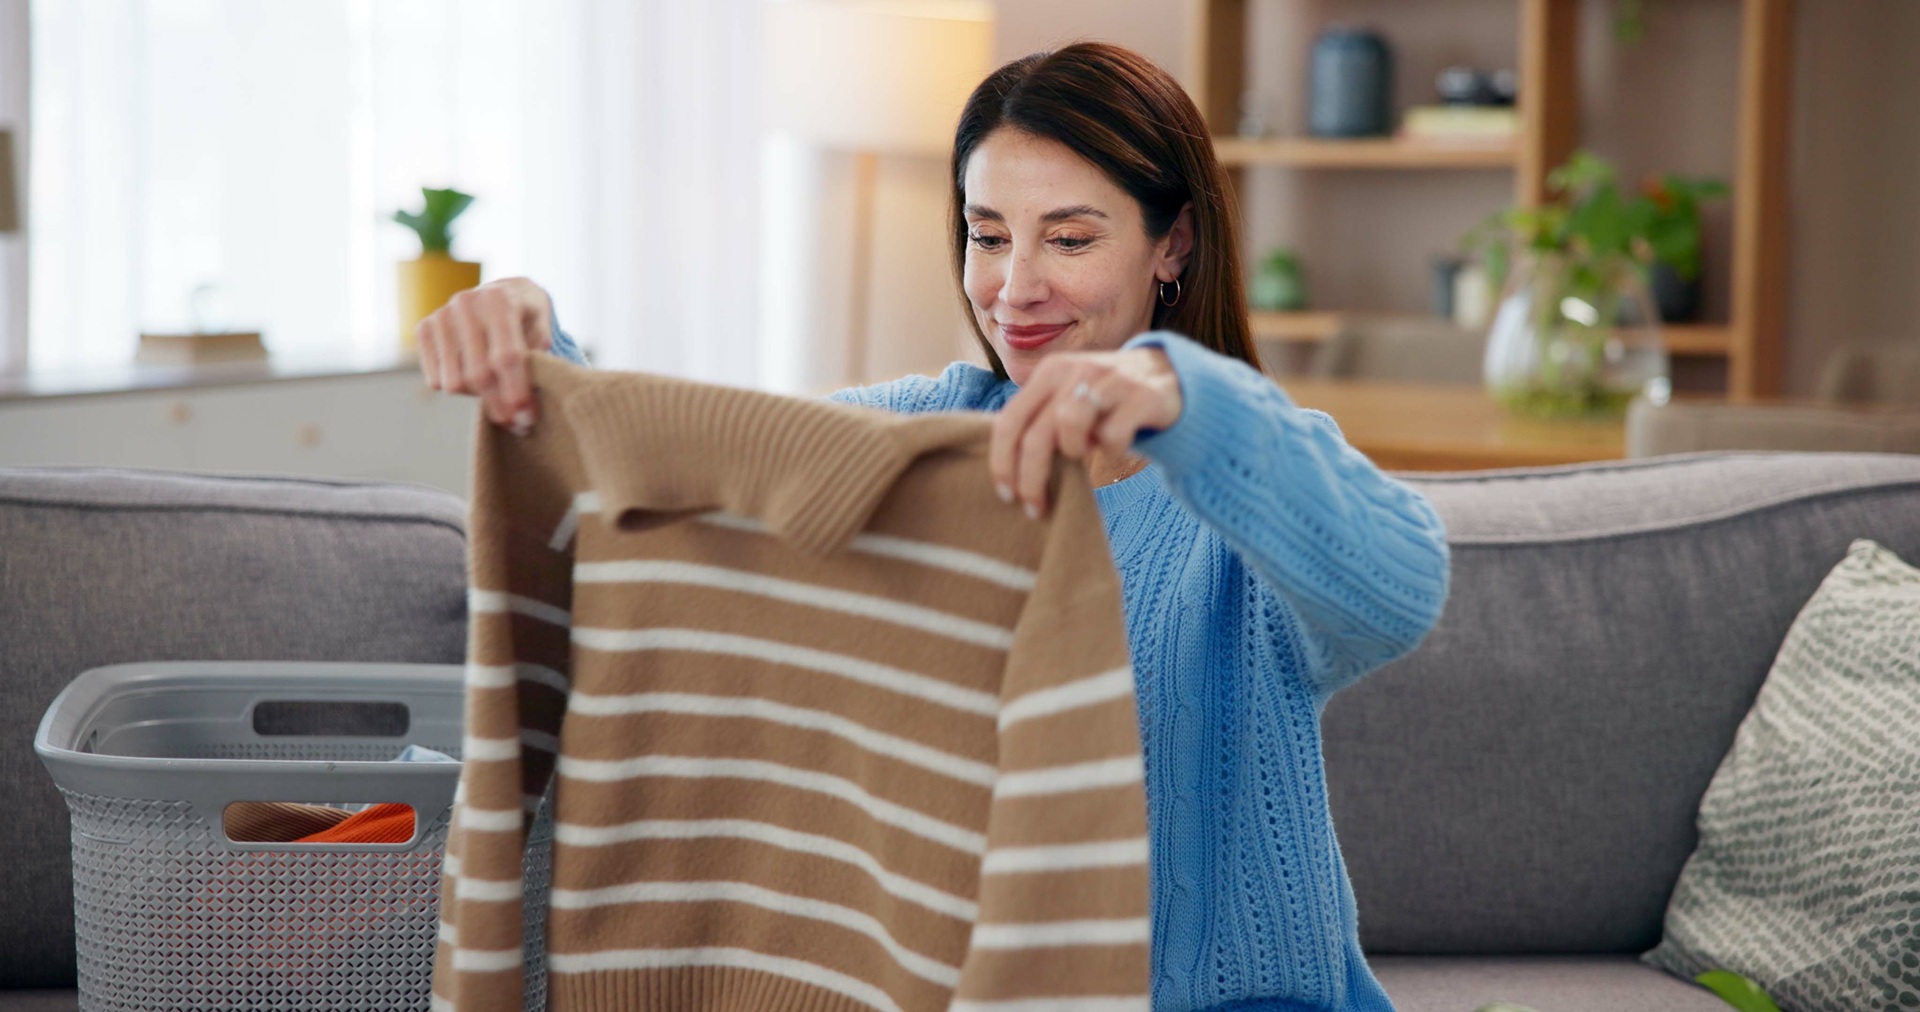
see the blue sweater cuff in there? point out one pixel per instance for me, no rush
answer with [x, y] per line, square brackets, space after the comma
[1214, 390]
[562, 343]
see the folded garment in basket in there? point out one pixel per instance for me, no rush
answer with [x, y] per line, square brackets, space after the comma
[278, 821]
[295, 822]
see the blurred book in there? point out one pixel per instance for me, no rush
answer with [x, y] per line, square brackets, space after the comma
[200, 348]
[1461, 122]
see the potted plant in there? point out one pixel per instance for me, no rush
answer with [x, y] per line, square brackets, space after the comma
[1576, 333]
[427, 283]
[1280, 286]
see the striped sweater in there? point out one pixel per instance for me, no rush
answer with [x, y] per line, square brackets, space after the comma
[827, 725]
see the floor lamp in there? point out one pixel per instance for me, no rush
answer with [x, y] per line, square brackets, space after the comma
[872, 77]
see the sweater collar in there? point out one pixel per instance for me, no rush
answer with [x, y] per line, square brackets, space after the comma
[813, 471]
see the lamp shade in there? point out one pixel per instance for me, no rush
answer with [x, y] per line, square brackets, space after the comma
[873, 75]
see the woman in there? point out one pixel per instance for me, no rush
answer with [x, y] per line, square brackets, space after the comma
[1265, 564]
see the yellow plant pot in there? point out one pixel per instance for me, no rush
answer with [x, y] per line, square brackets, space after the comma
[425, 285]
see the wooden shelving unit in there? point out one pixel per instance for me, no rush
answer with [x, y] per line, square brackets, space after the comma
[1315, 153]
[1751, 341]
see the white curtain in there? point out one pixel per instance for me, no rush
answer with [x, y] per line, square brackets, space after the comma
[255, 150]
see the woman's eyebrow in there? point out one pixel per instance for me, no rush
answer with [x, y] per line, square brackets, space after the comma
[976, 211]
[1076, 211]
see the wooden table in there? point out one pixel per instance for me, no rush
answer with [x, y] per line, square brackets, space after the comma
[1416, 427]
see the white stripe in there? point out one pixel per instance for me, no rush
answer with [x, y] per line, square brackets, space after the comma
[494, 749]
[847, 602]
[878, 742]
[748, 769]
[925, 553]
[1065, 779]
[1065, 857]
[1071, 696]
[1053, 934]
[491, 820]
[892, 679]
[924, 967]
[1100, 1003]
[575, 835]
[585, 502]
[506, 676]
[489, 749]
[488, 960]
[450, 865]
[487, 890]
[449, 934]
[480, 602]
[439, 1004]
[655, 959]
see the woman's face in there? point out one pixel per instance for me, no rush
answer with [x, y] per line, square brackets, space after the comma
[1058, 257]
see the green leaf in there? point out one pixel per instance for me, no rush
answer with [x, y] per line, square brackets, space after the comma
[1737, 991]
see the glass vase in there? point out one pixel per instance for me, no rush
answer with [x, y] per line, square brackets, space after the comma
[1576, 337]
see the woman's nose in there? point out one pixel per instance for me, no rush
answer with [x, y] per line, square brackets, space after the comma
[1025, 282]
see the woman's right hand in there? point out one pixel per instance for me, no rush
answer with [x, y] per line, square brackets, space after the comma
[478, 343]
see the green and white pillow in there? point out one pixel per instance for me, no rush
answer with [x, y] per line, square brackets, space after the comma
[1807, 874]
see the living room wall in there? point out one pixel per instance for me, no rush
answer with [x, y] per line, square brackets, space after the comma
[1666, 103]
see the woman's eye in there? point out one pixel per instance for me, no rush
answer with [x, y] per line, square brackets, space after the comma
[1071, 242]
[987, 242]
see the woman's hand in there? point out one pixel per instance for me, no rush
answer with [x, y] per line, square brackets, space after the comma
[478, 344]
[1076, 402]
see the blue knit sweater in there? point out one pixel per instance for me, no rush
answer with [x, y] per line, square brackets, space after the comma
[1264, 565]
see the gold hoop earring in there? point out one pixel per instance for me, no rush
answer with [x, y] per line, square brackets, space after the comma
[1176, 292]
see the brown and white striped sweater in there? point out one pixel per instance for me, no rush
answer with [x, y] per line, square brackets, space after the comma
[833, 727]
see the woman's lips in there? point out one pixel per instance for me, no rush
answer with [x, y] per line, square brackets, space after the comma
[1030, 336]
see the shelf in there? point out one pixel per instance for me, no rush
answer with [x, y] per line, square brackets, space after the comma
[1697, 339]
[1691, 339]
[1383, 153]
[1298, 328]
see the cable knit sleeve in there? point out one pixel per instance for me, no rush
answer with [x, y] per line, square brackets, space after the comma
[1361, 557]
[564, 346]
[960, 387]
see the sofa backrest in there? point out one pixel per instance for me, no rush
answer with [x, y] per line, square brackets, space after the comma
[1527, 779]
[101, 566]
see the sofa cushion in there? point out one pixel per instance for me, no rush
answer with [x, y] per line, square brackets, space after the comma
[1807, 876]
[1526, 780]
[1544, 983]
[102, 566]
[40, 1001]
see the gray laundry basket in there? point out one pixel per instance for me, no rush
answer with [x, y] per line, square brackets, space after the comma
[171, 914]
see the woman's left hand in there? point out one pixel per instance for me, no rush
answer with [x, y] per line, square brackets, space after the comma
[1073, 402]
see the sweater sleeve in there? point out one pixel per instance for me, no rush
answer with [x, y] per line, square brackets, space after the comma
[1361, 558]
[520, 594]
[563, 344]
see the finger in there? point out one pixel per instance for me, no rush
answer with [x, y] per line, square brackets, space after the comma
[1011, 424]
[426, 335]
[475, 367]
[1037, 446]
[1074, 418]
[537, 312]
[452, 376]
[507, 353]
[1121, 426]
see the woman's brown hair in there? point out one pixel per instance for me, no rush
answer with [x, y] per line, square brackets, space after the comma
[1134, 122]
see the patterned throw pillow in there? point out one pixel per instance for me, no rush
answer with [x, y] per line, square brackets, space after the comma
[1807, 874]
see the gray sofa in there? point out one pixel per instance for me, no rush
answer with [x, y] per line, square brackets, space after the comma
[1514, 800]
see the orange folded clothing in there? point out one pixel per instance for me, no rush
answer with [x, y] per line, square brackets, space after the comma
[278, 821]
[384, 823]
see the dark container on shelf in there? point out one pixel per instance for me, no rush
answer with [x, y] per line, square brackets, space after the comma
[1350, 84]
